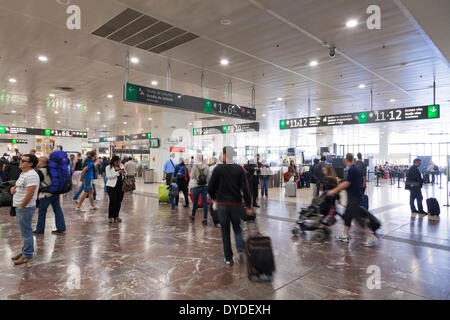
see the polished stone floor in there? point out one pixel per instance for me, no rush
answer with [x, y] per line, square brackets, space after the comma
[156, 253]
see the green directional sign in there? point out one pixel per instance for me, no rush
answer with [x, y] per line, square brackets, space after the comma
[149, 135]
[224, 129]
[131, 93]
[47, 132]
[2, 129]
[362, 117]
[433, 111]
[208, 106]
[14, 141]
[194, 132]
[282, 124]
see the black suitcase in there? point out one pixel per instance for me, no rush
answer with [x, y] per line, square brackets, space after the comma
[260, 260]
[214, 215]
[364, 202]
[372, 222]
[433, 207]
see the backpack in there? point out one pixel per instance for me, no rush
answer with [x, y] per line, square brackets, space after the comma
[182, 174]
[58, 169]
[201, 181]
[174, 191]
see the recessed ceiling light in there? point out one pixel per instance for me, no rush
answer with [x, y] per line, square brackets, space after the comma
[123, 131]
[98, 112]
[87, 129]
[43, 58]
[150, 119]
[52, 95]
[134, 60]
[25, 121]
[78, 105]
[110, 96]
[58, 121]
[12, 80]
[190, 123]
[56, 112]
[313, 63]
[392, 100]
[362, 86]
[279, 99]
[154, 83]
[318, 109]
[263, 114]
[125, 122]
[224, 62]
[351, 23]
[225, 22]
[104, 126]
[13, 111]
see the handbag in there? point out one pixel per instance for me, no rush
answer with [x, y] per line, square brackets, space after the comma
[128, 185]
[412, 185]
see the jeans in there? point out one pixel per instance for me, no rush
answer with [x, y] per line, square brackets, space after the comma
[104, 179]
[59, 216]
[264, 186]
[24, 218]
[416, 194]
[203, 190]
[173, 201]
[79, 191]
[231, 214]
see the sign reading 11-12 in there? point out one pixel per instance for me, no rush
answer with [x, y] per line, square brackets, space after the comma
[387, 115]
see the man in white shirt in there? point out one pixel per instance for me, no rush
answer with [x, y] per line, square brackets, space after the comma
[25, 194]
[131, 169]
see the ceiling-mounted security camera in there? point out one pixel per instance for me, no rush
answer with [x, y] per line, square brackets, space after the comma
[332, 52]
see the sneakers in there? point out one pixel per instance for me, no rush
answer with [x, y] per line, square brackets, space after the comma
[111, 220]
[343, 238]
[17, 257]
[430, 217]
[218, 225]
[370, 242]
[22, 260]
[80, 209]
[414, 214]
[241, 258]
[228, 262]
[94, 208]
[117, 220]
[422, 214]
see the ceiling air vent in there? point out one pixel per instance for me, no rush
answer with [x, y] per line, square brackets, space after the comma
[65, 89]
[133, 28]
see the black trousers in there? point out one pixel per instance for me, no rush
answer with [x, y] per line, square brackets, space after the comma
[183, 187]
[168, 178]
[354, 211]
[115, 201]
[254, 182]
[415, 193]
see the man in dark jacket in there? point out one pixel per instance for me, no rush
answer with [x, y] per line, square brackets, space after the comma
[318, 174]
[225, 186]
[253, 168]
[414, 177]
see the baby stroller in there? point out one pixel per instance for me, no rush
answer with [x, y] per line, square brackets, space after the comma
[318, 217]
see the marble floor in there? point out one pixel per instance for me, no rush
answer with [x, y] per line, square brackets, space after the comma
[156, 253]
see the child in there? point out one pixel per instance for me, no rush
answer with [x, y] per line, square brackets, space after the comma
[173, 192]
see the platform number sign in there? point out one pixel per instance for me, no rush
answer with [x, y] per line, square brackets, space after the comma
[433, 111]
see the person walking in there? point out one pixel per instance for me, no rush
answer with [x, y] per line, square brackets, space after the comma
[253, 179]
[169, 168]
[264, 178]
[363, 166]
[414, 183]
[201, 175]
[77, 167]
[45, 199]
[173, 193]
[353, 184]
[105, 163]
[24, 199]
[182, 179]
[131, 170]
[227, 182]
[115, 173]
[87, 176]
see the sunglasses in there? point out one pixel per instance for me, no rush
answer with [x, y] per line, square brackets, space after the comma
[25, 160]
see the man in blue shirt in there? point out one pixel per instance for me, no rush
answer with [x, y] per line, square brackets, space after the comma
[169, 168]
[87, 177]
[353, 185]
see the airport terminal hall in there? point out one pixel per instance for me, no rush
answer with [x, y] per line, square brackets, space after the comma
[231, 154]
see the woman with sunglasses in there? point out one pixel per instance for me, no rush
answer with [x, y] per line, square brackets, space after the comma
[115, 172]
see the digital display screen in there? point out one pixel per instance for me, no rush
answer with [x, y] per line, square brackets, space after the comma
[43, 132]
[387, 115]
[224, 129]
[131, 137]
[145, 95]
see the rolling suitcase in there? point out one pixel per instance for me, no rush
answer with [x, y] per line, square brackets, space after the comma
[260, 259]
[291, 189]
[214, 214]
[163, 194]
[372, 222]
[364, 202]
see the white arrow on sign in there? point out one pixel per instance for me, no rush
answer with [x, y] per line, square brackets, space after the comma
[433, 109]
[324, 119]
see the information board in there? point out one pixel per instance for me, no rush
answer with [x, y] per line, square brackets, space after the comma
[14, 141]
[43, 132]
[224, 129]
[387, 115]
[131, 137]
[145, 95]
[131, 151]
